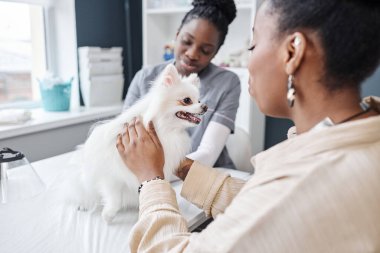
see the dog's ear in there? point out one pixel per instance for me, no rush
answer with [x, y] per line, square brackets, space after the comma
[194, 79]
[170, 76]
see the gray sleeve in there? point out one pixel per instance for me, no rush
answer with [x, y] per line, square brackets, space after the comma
[134, 90]
[225, 113]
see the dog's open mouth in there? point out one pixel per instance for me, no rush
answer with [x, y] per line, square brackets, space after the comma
[191, 117]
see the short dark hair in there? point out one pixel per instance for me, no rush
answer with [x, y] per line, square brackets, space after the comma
[349, 31]
[218, 12]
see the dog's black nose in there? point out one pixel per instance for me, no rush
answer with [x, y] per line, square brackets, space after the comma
[204, 107]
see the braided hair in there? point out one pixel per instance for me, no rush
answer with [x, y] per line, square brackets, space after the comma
[218, 12]
[349, 31]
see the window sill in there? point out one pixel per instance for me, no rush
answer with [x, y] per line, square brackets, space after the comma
[42, 120]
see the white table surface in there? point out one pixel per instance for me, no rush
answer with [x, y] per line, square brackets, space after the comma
[46, 223]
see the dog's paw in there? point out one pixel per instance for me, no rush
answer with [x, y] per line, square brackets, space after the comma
[108, 215]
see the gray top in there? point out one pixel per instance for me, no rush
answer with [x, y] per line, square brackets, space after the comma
[219, 89]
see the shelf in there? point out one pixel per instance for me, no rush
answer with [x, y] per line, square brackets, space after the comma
[178, 10]
[173, 10]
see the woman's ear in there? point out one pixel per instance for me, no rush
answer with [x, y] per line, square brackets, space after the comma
[295, 46]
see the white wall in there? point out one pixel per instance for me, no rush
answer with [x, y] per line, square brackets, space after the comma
[44, 144]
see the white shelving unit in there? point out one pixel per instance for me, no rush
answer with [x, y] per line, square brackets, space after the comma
[160, 25]
[161, 20]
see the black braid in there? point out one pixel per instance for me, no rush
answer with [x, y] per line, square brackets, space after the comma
[349, 31]
[218, 12]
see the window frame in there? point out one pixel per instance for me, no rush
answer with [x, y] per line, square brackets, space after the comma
[60, 45]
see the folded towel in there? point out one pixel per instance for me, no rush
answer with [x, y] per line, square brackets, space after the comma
[14, 116]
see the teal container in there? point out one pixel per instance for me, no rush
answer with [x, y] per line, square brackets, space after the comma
[56, 97]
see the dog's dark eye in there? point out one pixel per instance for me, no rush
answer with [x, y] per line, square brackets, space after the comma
[187, 101]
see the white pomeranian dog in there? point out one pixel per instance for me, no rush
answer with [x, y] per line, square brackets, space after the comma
[173, 105]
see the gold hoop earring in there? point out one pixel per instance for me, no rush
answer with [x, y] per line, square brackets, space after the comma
[291, 95]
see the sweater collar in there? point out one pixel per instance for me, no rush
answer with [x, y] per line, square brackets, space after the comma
[328, 138]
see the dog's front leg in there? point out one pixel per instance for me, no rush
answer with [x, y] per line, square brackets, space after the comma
[111, 198]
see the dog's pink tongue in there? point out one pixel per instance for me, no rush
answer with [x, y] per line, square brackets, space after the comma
[195, 120]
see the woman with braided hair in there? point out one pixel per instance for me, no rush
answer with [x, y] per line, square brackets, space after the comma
[200, 35]
[319, 190]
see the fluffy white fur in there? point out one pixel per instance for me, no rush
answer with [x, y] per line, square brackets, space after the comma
[105, 178]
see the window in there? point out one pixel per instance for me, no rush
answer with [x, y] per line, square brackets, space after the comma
[22, 52]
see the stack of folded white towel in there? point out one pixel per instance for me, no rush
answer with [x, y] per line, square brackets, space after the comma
[14, 116]
[101, 75]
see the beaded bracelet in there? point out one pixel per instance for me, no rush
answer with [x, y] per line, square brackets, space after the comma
[142, 184]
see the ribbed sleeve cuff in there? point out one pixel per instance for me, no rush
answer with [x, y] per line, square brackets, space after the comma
[225, 121]
[201, 186]
[157, 195]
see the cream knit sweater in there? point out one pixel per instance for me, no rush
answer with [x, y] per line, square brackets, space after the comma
[317, 192]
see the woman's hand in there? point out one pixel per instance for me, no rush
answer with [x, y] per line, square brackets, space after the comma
[184, 168]
[141, 150]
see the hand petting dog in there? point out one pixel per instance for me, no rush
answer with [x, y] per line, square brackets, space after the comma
[141, 150]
